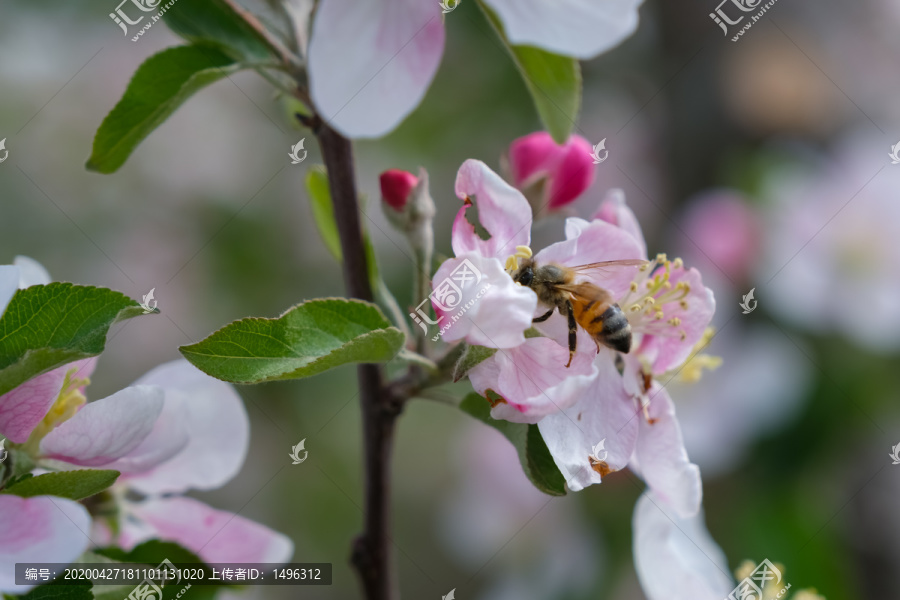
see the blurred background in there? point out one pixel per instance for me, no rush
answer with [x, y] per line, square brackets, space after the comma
[763, 162]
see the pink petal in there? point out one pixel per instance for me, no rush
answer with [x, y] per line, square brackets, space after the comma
[502, 210]
[105, 430]
[661, 458]
[216, 536]
[168, 437]
[669, 351]
[574, 173]
[533, 379]
[603, 412]
[9, 285]
[370, 63]
[39, 529]
[579, 28]
[475, 299]
[676, 558]
[615, 211]
[595, 241]
[24, 407]
[217, 427]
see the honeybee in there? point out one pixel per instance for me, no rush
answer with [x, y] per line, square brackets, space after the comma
[584, 304]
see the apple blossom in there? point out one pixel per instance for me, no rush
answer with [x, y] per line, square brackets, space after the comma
[39, 529]
[551, 175]
[371, 63]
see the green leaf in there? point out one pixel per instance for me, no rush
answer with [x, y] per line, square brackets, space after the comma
[554, 82]
[323, 210]
[60, 589]
[533, 453]
[73, 485]
[472, 356]
[159, 86]
[47, 326]
[308, 339]
[151, 552]
[216, 21]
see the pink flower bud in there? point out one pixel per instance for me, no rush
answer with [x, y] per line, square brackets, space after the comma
[396, 186]
[566, 171]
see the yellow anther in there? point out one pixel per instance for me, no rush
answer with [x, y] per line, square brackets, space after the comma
[644, 267]
[649, 283]
[667, 285]
[634, 286]
[524, 251]
[659, 315]
[677, 263]
[674, 321]
[635, 308]
[512, 263]
[683, 304]
[661, 257]
[650, 301]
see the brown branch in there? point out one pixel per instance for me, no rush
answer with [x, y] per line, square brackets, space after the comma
[380, 407]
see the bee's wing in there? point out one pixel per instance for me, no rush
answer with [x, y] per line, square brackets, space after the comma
[608, 266]
[586, 293]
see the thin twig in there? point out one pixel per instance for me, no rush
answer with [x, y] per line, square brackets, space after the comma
[380, 407]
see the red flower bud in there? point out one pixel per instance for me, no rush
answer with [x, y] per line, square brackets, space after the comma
[396, 186]
[567, 170]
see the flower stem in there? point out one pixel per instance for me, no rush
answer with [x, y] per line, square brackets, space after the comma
[371, 552]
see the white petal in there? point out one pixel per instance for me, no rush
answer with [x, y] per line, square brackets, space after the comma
[603, 413]
[579, 28]
[105, 430]
[662, 459]
[39, 529]
[533, 379]
[9, 284]
[370, 63]
[31, 272]
[675, 558]
[475, 299]
[217, 426]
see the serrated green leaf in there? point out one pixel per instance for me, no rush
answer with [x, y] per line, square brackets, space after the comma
[215, 21]
[47, 326]
[308, 339]
[554, 82]
[159, 86]
[74, 485]
[472, 356]
[533, 453]
[323, 210]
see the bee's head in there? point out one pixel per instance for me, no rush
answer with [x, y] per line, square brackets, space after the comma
[525, 274]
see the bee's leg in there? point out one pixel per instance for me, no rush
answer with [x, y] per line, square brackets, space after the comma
[543, 317]
[573, 331]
